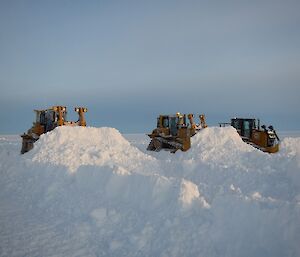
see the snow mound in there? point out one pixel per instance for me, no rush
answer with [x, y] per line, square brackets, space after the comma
[215, 141]
[80, 146]
[222, 147]
[216, 137]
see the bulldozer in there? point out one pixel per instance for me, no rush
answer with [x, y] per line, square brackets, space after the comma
[173, 133]
[47, 120]
[260, 137]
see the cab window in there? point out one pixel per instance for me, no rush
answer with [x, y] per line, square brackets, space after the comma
[236, 124]
[165, 122]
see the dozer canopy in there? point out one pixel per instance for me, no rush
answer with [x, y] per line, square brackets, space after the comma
[244, 126]
[171, 122]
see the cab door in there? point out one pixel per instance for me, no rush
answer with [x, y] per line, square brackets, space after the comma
[246, 129]
[173, 126]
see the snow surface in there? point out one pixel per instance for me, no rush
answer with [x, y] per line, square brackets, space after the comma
[91, 192]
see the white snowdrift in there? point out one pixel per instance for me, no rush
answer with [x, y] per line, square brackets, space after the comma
[78, 146]
[89, 192]
[222, 148]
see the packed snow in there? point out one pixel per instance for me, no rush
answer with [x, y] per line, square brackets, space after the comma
[93, 192]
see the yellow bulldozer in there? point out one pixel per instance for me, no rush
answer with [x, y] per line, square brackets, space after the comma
[47, 120]
[261, 137]
[173, 133]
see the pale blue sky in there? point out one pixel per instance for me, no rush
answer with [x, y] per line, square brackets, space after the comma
[128, 61]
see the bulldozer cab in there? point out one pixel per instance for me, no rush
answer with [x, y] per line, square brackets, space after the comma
[244, 126]
[52, 117]
[163, 121]
[171, 123]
